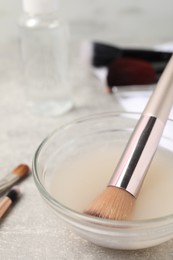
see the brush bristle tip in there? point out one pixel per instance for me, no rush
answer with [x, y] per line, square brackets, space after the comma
[21, 170]
[14, 193]
[114, 203]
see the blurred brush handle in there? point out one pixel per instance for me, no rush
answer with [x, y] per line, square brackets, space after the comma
[104, 54]
[149, 55]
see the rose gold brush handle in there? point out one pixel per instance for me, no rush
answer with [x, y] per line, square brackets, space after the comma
[131, 170]
[160, 103]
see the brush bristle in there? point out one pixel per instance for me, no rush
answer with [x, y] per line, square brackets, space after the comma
[114, 203]
[14, 193]
[21, 170]
[128, 71]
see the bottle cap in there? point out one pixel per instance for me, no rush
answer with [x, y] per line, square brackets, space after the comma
[40, 6]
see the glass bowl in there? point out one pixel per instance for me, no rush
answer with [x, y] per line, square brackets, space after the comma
[64, 146]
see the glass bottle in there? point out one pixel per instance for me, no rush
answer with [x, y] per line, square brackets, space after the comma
[44, 49]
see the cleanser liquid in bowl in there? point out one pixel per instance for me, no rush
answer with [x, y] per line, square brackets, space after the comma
[80, 180]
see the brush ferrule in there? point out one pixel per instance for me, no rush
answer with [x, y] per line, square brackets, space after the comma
[131, 170]
[8, 181]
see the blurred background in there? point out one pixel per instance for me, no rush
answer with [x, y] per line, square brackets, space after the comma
[134, 23]
[131, 22]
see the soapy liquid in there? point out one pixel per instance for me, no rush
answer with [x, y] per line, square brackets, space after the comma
[77, 183]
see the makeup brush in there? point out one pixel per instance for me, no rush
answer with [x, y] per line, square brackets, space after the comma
[117, 201]
[8, 200]
[14, 176]
[126, 72]
[130, 72]
[101, 54]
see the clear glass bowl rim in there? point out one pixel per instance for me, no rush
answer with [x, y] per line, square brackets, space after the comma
[70, 213]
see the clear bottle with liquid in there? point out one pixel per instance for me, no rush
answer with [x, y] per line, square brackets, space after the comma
[44, 51]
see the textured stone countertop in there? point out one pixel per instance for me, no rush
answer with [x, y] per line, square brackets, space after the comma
[30, 231]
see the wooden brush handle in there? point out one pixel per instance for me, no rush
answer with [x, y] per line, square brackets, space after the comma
[4, 206]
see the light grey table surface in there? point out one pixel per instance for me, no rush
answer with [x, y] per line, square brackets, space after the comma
[30, 231]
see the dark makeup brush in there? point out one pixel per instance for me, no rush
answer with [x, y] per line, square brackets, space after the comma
[128, 71]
